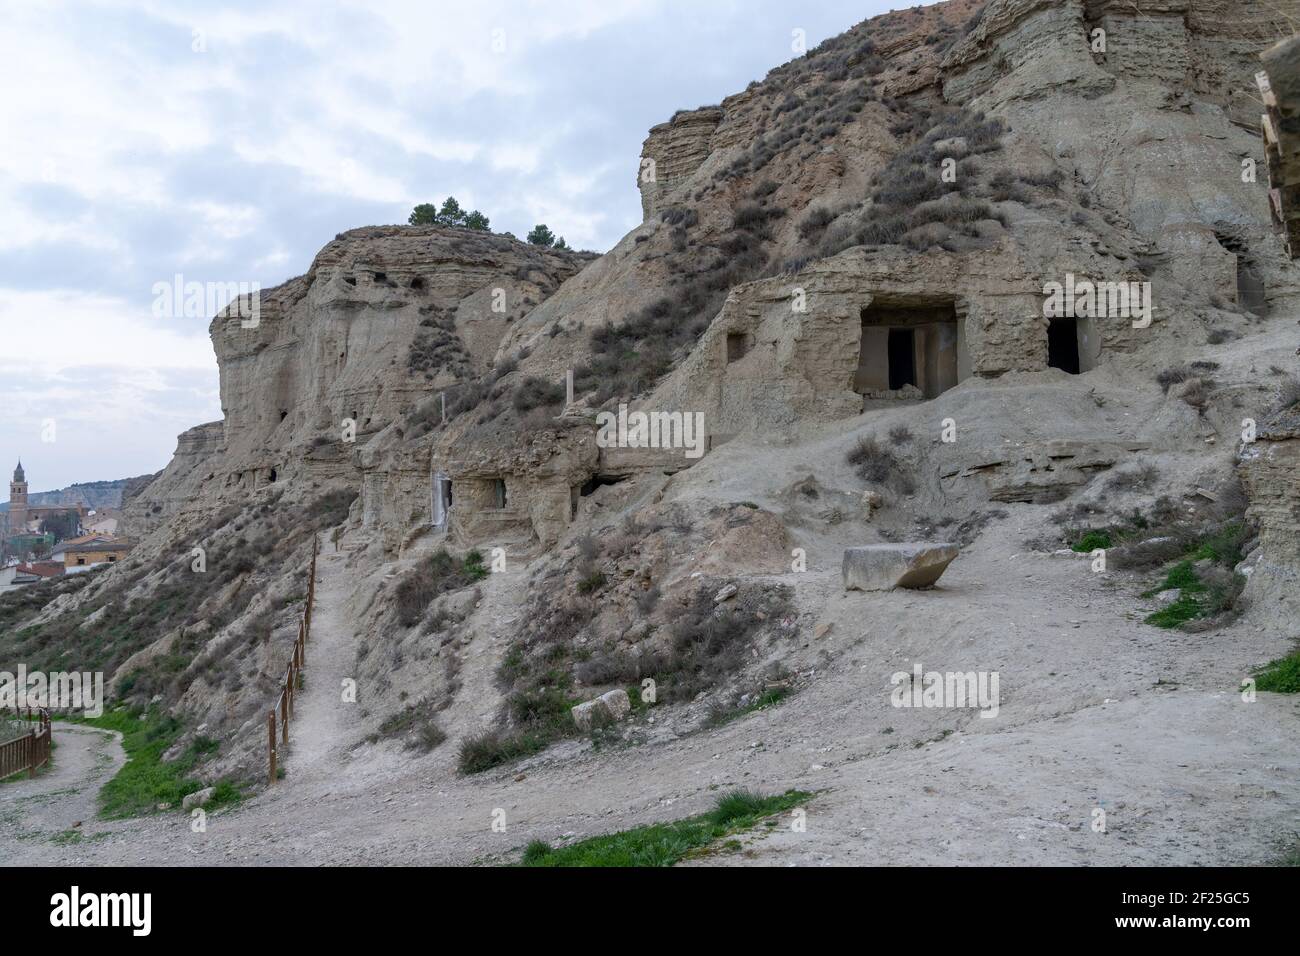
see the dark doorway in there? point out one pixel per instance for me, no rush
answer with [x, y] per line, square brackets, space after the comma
[737, 346]
[1063, 345]
[902, 358]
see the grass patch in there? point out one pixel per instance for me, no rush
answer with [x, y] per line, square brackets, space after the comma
[1185, 609]
[1091, 541]
[664, 844]
[1182, 577]
[145, 780]
[1196, 598]
[1281, 676]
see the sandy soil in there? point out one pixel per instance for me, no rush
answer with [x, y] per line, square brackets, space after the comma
[1098, 711]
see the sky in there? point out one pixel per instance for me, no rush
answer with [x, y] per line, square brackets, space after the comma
[141, 140]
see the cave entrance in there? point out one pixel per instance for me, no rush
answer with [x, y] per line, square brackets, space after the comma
[1063, 345]
[599, 481]
[908, 342]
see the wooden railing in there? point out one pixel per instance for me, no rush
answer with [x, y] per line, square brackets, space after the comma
[292, 675]
[29, 752]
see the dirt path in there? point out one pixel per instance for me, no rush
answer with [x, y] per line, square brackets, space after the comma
[34, 811]
[323, 726]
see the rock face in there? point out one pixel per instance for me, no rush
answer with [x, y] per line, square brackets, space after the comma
[1270, 470]
[673, 152]
[1040, 472]
[883, 567]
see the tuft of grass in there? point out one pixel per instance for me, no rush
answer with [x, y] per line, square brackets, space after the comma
[737, 805]
[535, 852]
[664, 844]
[1185, 609]
[1091, 541]
[592, 582]
[1223, 545]
[1281, 676]
[769, 698]
[1183, 577]
[877, 464]
[492, 749]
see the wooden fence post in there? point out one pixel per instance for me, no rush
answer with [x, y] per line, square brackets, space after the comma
[270, 727]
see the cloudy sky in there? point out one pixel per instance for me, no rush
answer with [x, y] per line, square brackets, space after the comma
[141, 139]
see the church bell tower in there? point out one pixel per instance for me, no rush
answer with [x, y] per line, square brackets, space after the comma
[18, 501]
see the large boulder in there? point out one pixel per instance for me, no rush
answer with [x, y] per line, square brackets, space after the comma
[883, 567]
[606, 708]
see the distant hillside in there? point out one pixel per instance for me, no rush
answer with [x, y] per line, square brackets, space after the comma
[94, 494]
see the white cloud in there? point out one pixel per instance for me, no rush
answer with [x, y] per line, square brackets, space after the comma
[57, 330]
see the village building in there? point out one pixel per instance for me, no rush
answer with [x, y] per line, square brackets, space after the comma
[91, 551]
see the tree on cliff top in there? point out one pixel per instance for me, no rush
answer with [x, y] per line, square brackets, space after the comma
[541, 235]
[427, 214]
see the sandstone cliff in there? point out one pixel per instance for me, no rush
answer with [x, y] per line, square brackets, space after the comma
[385, 317]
